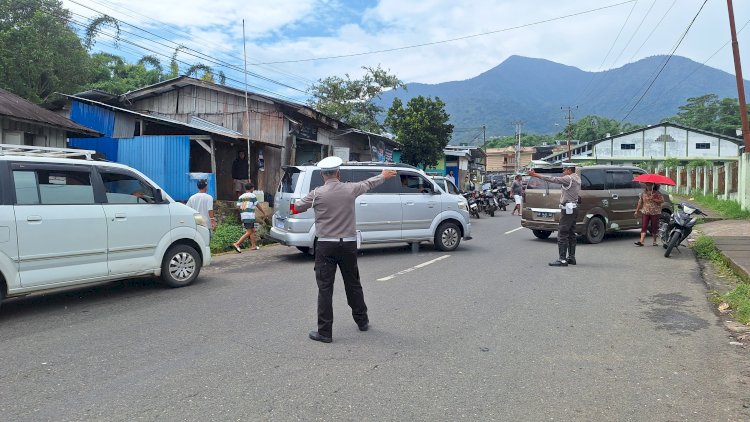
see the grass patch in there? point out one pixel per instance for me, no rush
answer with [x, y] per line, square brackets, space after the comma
[230, 230]
[726, 208]
[739, 298]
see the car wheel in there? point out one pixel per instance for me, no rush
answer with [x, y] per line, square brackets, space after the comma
[304, 249]
[447, 236]
[541, 234]
[181, 266]
[595, 230]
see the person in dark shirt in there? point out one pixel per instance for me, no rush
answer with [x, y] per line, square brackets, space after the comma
[240, 174]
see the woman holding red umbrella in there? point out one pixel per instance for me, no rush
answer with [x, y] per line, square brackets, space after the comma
[649, 204]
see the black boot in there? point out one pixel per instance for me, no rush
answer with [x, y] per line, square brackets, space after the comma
[571, 254]
[562, 262]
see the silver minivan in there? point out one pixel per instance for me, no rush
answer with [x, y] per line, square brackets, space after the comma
[408, 208]
[66, 222]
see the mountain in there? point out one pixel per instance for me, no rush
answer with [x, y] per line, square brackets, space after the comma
[534, 90]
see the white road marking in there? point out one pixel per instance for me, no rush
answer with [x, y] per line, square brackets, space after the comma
[514, 230]
[408, 270]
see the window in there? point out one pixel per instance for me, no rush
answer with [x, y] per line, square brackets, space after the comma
[621, 180]
[702, 145]
[627, 146]
[593, 180]
[27, 192]
[289, 180]
[53, 187]
[126, 189]
[451, 187]
[358, 175]
[414, 183]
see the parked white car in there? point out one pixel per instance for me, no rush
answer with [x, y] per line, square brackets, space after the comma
[66, 222]
[408, 208]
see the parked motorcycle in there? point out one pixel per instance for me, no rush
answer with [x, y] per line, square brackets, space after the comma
[679, 227]
[489, 203]
[473, 205]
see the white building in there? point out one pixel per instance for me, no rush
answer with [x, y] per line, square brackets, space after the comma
[656, 143]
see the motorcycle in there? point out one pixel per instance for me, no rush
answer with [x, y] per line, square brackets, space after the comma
[473, 205]
[489, 203]
[679, 226]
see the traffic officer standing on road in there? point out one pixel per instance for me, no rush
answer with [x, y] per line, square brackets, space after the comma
[336, 235]
[566, 232]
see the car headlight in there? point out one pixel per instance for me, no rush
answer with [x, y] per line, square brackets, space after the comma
[463, 206]
[199, 220]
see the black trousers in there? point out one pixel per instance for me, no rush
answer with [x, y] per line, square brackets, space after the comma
[328, 256]
[566, 234]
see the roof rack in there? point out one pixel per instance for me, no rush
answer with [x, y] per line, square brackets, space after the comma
[32, 151]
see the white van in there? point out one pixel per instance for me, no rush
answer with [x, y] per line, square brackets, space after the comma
[409, 208]
[66, 222]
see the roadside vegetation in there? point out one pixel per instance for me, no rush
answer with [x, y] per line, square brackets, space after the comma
[738, 299]
[727, 209]
[229, 230]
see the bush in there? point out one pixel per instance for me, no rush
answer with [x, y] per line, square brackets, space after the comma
[727, 209]
[739, 300]
[229, 231]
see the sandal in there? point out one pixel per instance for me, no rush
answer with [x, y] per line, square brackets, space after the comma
[655, 244]
[639, 243]
[237, 248]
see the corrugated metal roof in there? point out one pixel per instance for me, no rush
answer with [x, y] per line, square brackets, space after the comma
[17, 108]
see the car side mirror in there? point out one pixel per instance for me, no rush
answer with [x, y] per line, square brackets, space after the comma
[158, 196]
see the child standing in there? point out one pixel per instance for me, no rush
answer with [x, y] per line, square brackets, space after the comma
[248, 204]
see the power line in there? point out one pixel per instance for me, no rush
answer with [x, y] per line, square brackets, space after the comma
[658, 25]
[190, 52]
[585, 91]
[177, 32]
[684, 34]
[481, 34]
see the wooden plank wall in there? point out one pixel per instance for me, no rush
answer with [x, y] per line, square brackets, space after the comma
[266, 122]
[51, 137]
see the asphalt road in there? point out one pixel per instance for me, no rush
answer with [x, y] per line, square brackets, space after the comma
[487, 332]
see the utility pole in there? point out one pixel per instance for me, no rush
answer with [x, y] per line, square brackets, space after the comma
[518, 124]
[738, 74]
[484, 147]
[569, 109]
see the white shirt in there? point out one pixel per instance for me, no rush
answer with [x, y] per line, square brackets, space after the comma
[202, 203]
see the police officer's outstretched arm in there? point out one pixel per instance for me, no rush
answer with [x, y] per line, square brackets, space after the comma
[365, 185]
[305, 203]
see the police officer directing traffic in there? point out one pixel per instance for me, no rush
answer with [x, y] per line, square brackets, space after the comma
[566, 233]
[336, 235]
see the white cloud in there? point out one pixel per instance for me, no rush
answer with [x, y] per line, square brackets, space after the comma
[581, 41]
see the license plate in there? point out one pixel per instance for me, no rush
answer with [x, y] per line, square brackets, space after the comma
[544, 214]
[280, 224]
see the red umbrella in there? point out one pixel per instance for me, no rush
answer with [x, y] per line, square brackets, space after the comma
[655, 178]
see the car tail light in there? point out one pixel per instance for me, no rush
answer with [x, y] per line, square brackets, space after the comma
[292, 209]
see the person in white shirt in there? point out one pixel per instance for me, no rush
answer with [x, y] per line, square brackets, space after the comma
[203, 203]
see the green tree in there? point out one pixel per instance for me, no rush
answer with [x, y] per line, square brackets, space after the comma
[709, 113]
[422, 128]
[39, 52]
[352, 100]
[591, 128]
[112, 74]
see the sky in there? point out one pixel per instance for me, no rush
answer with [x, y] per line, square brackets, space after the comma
[290, 44]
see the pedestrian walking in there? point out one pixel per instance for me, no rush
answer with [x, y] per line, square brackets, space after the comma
[248, 204]
[516, 189]
[649, 205]
[566, 232]
[336, 243]
[203, 203]
[240, 172]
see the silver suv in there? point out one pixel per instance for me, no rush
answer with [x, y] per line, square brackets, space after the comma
[409, 208]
